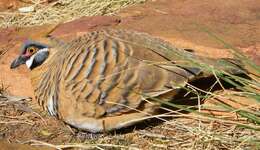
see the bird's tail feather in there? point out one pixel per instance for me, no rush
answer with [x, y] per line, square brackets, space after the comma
[224, 65]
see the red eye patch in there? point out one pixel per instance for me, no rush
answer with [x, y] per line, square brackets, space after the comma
[30, 51]
[27, 54]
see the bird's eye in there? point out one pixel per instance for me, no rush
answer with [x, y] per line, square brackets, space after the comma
[31, 50]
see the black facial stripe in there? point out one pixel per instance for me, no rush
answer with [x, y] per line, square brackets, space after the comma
[35, 64]
[39, 59]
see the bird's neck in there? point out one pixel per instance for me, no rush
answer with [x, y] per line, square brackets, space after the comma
[45, 80]
[39, 71]
[36, 74]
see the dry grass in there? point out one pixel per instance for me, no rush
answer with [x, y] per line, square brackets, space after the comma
[62, 11]
[23, 121]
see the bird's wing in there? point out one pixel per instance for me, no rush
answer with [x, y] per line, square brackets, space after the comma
[108, 75]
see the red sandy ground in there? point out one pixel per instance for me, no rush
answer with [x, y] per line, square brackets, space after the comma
[236, 22]
[177, 21]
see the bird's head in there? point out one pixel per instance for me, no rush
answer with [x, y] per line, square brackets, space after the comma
[32, 54]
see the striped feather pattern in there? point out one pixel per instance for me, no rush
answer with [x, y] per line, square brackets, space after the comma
[99, 81]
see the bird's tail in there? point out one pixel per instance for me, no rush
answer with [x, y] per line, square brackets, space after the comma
[224, 65]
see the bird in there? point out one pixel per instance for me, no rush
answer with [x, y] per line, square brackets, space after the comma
[106, 79]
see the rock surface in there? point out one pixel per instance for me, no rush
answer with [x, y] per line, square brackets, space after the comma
[183, 23]
[180, 22]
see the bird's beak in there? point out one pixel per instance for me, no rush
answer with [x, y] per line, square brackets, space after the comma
[18, 61]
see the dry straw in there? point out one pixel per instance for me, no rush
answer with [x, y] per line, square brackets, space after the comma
[40, 13]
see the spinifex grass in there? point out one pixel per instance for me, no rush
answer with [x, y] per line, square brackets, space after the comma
[248, 116]
[250, 88]
[196, 129]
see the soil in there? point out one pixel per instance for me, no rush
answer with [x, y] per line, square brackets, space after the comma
[181, 22]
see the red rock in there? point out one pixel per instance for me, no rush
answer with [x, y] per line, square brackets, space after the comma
[10, 4]
[180, 22]
[85, 24]
[184, 22]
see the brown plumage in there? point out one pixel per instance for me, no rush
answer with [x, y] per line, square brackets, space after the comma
[102, 80]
